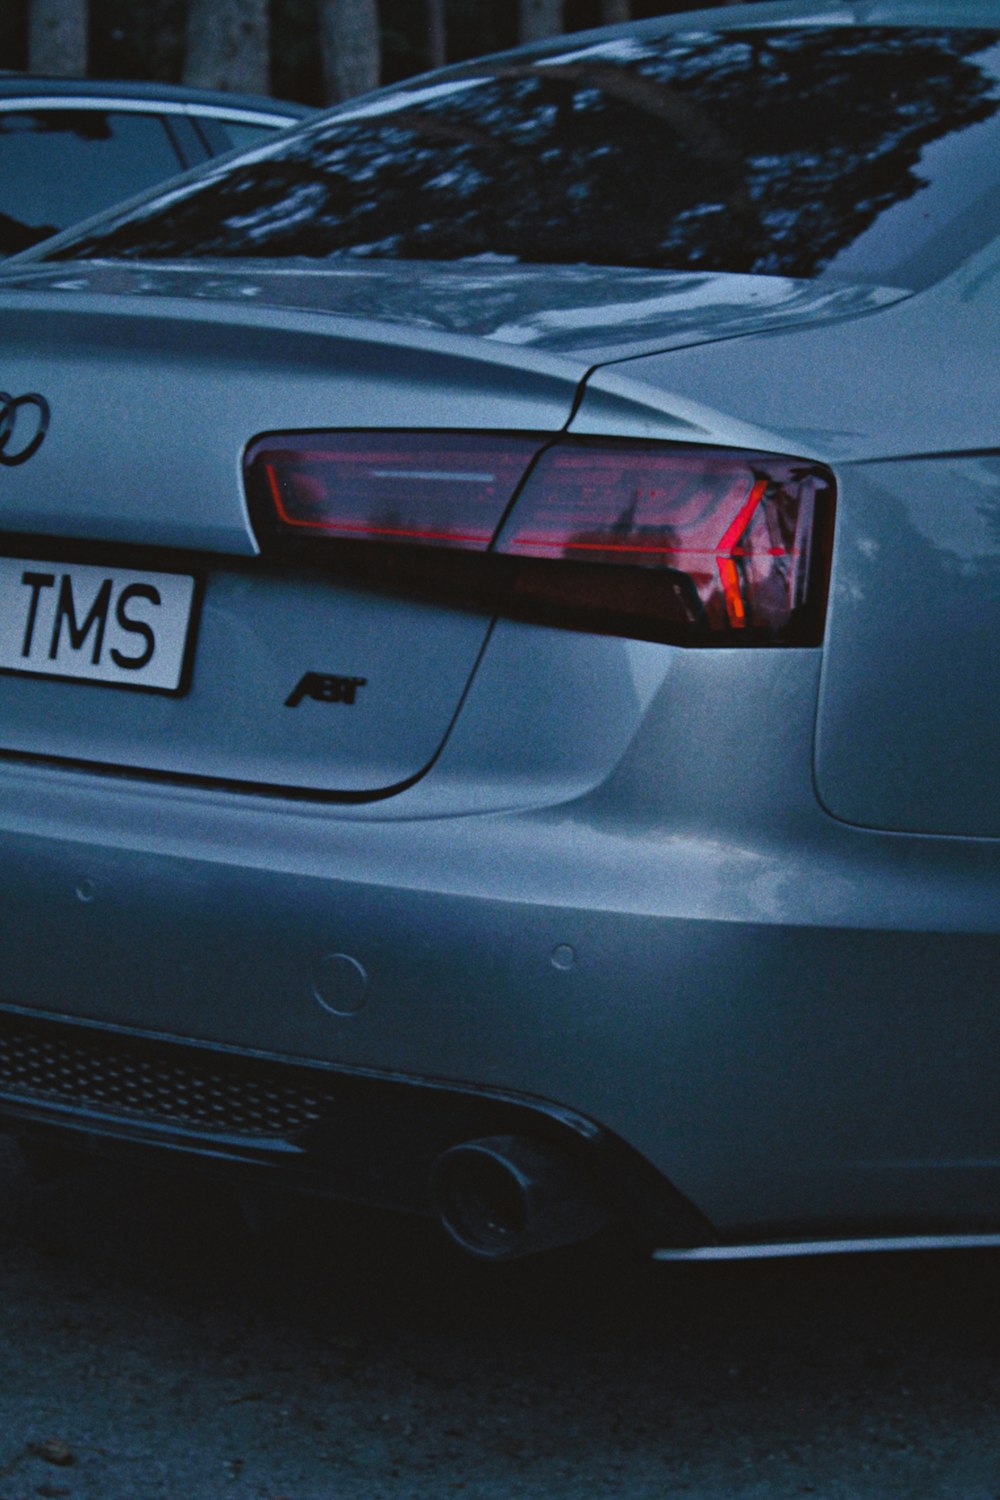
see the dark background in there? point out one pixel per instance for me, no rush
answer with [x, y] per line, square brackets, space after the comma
[152, 1347]
[146, 41]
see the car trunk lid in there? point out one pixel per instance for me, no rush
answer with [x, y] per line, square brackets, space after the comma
[163, 377]
[267, 675]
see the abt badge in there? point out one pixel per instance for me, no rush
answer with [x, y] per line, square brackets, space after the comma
[324, 689]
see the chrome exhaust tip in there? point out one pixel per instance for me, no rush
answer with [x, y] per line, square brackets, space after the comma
[503, 1197]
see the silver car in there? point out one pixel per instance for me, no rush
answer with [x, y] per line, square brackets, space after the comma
[499, 603]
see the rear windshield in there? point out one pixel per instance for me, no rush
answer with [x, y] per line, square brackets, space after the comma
[853, 151]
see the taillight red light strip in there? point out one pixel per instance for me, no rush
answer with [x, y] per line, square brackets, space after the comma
[368, 529]
[430, 489]
[728, 570]
[697, 545]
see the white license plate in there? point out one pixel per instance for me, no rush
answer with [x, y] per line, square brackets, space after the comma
[88, 624]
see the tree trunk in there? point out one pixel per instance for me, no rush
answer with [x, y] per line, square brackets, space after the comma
[349, 41]
[614, 12]
[541, 18]
[228, 45]
[437, 45]
[57, 37]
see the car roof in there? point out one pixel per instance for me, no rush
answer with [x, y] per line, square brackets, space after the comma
[742, 15]
[763, 14]
[45, 90]
[945, 13]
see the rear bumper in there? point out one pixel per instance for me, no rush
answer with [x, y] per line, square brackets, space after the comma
[791, 1022]
[307, 1128]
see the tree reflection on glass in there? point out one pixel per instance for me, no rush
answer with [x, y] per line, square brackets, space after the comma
[741, 151]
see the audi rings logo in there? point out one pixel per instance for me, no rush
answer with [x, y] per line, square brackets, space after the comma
[24, 421]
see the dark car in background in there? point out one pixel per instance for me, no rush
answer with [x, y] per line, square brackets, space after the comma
[71, 147]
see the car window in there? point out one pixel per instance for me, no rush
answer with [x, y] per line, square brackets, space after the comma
[750, 151]
[233, 135]
[61, 165]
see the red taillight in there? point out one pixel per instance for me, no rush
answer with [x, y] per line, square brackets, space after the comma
[695, 545]
[446, 489]
[719, 543]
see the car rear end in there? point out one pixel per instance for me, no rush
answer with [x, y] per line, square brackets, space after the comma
[504, 768]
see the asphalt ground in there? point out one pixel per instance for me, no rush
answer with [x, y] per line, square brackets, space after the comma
[151, 1346]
